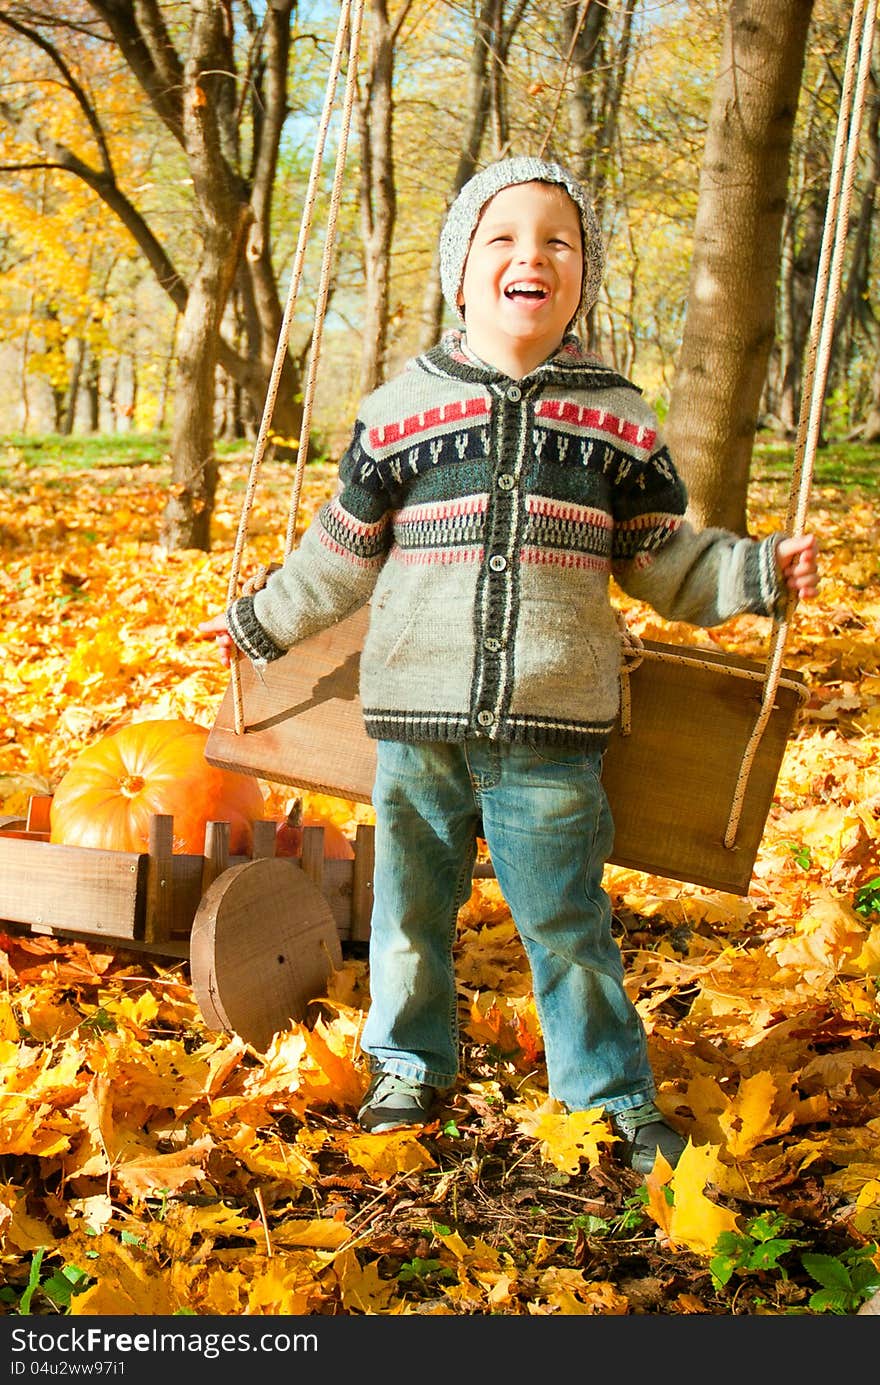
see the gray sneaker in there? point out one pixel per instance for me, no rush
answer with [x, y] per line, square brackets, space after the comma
[393, 1101]
[644, 1132]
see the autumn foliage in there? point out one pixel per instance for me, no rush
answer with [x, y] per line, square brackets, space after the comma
[162, 1168]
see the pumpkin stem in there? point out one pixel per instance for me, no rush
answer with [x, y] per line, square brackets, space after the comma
[131, 785]
[295, 813]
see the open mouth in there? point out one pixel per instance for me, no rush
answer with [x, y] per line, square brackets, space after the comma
[526, 292]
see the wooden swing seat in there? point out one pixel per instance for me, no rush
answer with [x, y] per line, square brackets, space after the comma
[670, 780]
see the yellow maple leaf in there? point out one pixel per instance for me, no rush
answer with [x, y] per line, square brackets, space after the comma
[750, 1119]
[270, 1158]
[333, 1073]
[697, 1222]
[868, 960]
[502, 1292]
[829, 937]
[383, 1156]
[509, 1024]
[318, 1064]
[128, 1284]
[95, 657]
[150, 1172]
[478, 1254]
[33, 1127]
[220, 1290]
[20, 1233]
[571, 1294]
[45, 1020]
[659, 1204]
[287, 1286]
[186, 1224]
[865, 1218]
[322, 1233]
[565, 1138]
[8, 1022]
[363, 1289]
[137, 1012]
[95, 1212]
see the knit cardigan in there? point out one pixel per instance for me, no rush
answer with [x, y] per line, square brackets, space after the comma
[482, 517]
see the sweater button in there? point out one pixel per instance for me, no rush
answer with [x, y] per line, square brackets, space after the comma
[497, 563]
[492, 644]
[505, 481]
[514, 394]
[485, 718]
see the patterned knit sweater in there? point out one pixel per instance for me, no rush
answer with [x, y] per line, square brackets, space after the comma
[482, 518]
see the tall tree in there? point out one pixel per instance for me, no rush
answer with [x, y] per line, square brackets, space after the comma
[856, 310]
[730, 319]
[485, 111]
[216, 80]
[378, 193]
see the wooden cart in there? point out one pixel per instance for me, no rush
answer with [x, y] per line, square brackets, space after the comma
[261, 932]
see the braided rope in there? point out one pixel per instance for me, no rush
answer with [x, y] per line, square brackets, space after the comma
[324, 279]
[815, 371]
[818, 355]
[349, 22]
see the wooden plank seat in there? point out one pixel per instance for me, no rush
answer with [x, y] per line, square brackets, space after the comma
[670, 780]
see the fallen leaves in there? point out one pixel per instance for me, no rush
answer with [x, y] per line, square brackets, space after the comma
[181, 1171]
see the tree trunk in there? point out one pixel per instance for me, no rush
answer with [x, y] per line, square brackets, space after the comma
[224, 216]
[855, 310]
[93, 394]
[378, 197]
[870, 432]
[69, 417]
[800, 265]
[187, 517]
[186, 63]
[600, 66]
[486, 91]
[730, 319]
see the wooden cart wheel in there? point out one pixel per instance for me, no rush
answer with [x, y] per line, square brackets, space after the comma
[262, 946]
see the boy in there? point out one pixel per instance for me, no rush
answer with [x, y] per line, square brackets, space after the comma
[488, 494]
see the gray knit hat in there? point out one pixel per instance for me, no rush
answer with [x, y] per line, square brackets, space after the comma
[463, 215]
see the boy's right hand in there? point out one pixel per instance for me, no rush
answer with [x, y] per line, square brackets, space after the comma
[216, 628]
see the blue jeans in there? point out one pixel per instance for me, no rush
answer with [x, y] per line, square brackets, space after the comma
[548, 828]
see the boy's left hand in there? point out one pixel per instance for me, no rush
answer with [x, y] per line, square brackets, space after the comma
[798, 565]
[216, 628]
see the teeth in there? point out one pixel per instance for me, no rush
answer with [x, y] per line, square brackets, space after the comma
[522, 286]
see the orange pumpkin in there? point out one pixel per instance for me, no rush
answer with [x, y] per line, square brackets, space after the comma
[109, 793]
[289, 835]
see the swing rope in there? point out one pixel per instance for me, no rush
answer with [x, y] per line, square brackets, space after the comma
[816, 366]
[818, 356]
[350, 20]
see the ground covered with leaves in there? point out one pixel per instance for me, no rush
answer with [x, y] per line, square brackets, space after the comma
[150, 1165]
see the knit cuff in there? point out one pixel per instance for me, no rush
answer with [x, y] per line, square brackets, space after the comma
[248, 633]
[765, 590]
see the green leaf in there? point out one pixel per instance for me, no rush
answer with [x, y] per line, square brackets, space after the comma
[24, 1306]
[828, 1271]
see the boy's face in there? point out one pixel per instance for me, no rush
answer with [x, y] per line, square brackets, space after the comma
[522, 277]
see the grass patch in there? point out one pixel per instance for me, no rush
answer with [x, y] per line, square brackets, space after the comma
[82, 452]
[94, 451]
[841, 464]
[846, 465]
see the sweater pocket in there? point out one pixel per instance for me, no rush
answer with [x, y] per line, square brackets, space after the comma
[421, 630]
[566, 662]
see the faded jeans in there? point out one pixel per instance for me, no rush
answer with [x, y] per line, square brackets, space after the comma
[546, 822]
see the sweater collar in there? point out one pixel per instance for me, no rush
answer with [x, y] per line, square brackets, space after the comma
[571, 366]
